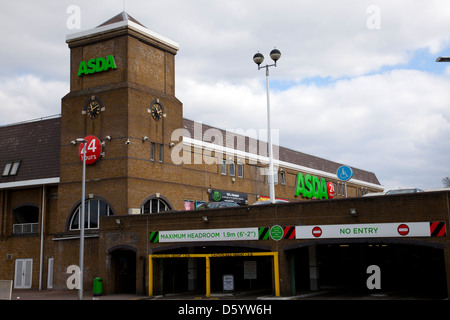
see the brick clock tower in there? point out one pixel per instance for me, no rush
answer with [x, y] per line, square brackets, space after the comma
[122, 91]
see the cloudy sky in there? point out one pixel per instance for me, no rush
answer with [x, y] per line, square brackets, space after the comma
[357, 82]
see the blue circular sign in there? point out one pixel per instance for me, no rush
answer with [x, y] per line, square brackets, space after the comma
[344, 173]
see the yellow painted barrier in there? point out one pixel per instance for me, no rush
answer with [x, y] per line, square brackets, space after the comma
[207, 257]
[208, 277]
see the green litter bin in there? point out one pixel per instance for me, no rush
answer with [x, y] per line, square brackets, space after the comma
[98, 286]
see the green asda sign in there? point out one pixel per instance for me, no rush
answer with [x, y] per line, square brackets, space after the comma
[97, 65]
[311, 187]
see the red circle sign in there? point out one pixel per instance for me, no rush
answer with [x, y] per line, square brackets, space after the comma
[316, 232]
[93, 149]
[330, 190]
[403, 229]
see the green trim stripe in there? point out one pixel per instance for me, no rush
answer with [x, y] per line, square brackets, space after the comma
[154, 236]
[263, 233]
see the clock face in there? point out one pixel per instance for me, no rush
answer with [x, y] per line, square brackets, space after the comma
[157, 111]
[93, 109]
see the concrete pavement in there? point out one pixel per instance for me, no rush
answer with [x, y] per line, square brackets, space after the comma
[24, 294]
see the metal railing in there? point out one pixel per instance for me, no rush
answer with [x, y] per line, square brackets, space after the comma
[25, 228]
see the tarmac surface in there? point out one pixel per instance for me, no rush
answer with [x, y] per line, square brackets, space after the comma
[29, 294]
[69, 295]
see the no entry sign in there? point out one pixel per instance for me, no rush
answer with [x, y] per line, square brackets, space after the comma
[371, 230]
[93, 149]
[403, 229]
[317, 232]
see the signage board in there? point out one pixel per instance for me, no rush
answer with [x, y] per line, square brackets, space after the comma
[344, 173]
[276, 233]
[218, 195]
[369, 230]
[96, 65]
[266, 198]
[250, 270]
[311, 187]
[228, 282]
[231, 234]
[93, 150]
[330, 190]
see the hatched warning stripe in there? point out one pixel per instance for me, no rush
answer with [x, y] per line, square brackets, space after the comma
[263, 233]
[154, 236]
[289, 233]
[438, 229]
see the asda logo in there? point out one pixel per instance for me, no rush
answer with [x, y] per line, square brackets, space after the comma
[311, 187]
[96, 65]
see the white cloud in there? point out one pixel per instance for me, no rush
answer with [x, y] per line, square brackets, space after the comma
[394, 123]
[28, 97]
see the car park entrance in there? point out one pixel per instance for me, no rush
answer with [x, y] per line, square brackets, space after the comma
[222, 271]
[322, 246]
[413, 269]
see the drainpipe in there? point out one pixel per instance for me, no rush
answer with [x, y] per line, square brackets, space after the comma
[41, 263]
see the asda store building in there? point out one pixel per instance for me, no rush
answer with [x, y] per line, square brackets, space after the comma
[148, 169]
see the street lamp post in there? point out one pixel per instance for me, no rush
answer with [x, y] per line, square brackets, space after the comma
[82, 213]
[443, 59]
[258, 58]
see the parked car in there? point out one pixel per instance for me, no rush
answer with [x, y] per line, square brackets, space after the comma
[216, 205]
[268, 202]
[400, 191]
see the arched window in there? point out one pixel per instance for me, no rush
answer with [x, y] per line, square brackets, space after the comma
[155, 205]
[94, 209]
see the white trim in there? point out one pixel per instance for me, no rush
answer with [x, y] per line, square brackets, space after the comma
[75, 237]
[28, 183]
[119, 25]
[265, 160]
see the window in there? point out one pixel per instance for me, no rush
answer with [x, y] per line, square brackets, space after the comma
[240, 170]
[283, 178]
[154, 205]
[26, 219]
[94, 209]
[223, 168]
[232, 169]
[7, 169]
[274, 176]
[361, 192]
[11, 168]
[152, 151]
[161, 153]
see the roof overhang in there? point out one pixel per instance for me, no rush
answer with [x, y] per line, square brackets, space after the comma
[29, 183]
[121, 26]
